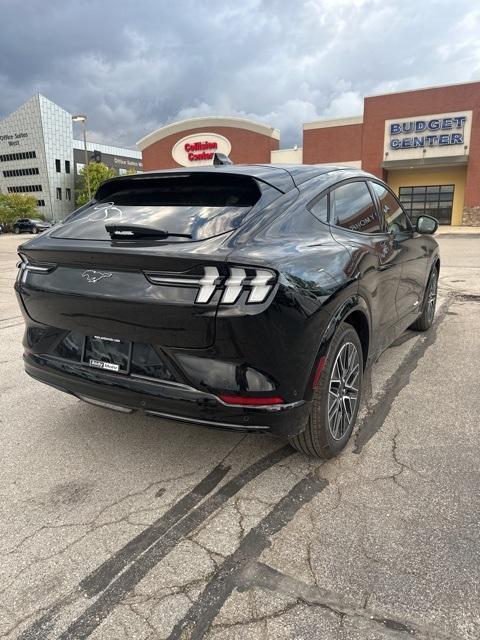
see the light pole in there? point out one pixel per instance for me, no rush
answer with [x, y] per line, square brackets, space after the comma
[83, 119]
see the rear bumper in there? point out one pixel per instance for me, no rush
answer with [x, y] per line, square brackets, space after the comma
[170, 400]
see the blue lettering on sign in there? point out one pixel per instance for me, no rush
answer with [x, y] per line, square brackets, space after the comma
[426, 141]
[419, 126]
[408, 127]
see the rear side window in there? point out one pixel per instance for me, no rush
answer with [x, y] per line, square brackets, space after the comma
[320, 208]
[354, 209]
[195, 205]
[395, 218]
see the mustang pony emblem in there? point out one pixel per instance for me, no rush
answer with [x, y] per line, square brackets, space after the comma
[94, 276]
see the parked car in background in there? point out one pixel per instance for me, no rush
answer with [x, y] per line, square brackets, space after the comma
[249, 298]
[30, 225]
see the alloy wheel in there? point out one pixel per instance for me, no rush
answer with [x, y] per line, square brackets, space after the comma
[432, 296]
[343, 390]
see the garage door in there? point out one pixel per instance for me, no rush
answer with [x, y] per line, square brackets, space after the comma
[432, 200]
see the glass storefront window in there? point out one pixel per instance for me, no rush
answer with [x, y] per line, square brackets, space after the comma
[433, 200]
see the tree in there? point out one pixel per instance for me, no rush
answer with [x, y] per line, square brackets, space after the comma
[96, 172]
[17, 205]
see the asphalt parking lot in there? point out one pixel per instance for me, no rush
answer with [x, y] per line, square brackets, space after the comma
[128, 527]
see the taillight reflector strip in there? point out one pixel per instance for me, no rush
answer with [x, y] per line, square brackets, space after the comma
[253, 402]
[318, 371]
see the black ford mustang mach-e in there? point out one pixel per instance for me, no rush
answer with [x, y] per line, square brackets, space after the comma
[244, 297]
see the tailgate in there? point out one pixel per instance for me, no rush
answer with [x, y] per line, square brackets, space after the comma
[145, 298]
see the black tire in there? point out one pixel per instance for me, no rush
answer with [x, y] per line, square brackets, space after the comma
[16, 230]
[34, 230]
[425, 319]
[319, 440]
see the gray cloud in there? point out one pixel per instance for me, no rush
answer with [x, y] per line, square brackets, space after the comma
[135, 66]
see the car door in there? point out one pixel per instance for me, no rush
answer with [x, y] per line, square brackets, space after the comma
[411, 251]
[357, 223]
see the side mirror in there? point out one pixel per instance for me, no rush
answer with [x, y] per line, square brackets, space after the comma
[426, 224]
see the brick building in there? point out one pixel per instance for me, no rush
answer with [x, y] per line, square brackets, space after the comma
[192, 142]
[424, 143]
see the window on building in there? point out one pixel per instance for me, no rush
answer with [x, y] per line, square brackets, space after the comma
[352, 208]
[68, 194]
[12, 173]
[25, 189]
[59, 193]
[67, 166]
[24, 155]
[80, 166]
[40, 203]
[431, 200]
[395, 218]
[58, 166]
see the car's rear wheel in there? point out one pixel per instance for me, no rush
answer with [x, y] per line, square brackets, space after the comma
[34, 230]
[336, 398]
[16, 230]
[425, 320]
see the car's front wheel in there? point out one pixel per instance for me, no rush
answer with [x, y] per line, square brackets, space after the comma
[425, 320]
[34, 230]
[336, 398]
[16, 230]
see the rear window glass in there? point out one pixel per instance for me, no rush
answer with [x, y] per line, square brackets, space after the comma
[202, 190]
[199, 205]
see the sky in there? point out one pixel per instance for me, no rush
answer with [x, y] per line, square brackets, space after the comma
[134, 66]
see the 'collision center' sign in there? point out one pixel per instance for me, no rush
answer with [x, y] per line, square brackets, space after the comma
[198, 149]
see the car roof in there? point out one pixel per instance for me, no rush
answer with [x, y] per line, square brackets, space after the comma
[281, 176]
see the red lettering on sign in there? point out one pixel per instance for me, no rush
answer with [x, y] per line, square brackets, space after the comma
[200, 146]
[193, 157]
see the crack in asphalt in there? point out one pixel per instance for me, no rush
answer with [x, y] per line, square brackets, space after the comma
[91, 525]
[101, 577]
[201, 615]
[268, 578]
[118, 585]
[378, 411]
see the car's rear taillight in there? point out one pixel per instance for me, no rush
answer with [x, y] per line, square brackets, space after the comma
[25, 266]
[258, 283]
